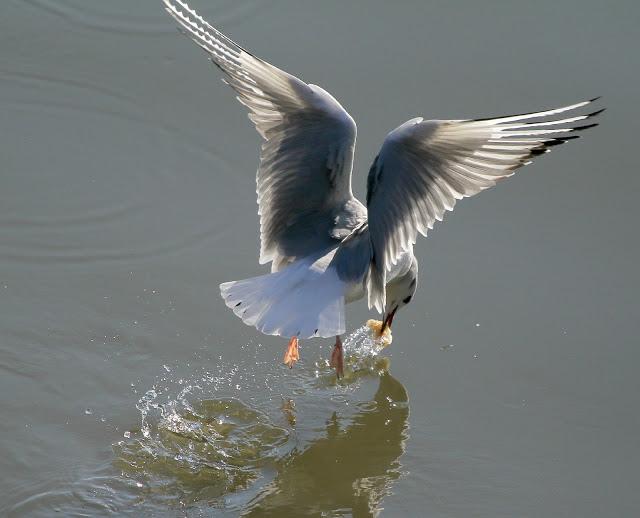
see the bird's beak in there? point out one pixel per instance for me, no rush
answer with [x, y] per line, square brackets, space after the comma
[388, 320]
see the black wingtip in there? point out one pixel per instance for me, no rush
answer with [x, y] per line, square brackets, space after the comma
[537, 151]
[560, 141]
[586, 126]
[531, 113]
[544, 147]
[598, 112]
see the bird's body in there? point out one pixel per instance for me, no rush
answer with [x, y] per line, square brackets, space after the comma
[325, 247]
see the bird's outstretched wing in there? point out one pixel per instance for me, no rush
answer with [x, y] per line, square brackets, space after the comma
[304, 177]
[425, 166]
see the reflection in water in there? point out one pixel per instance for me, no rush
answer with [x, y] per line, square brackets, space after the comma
[350, 468]
[319, 450]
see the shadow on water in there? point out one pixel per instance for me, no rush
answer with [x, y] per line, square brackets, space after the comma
[318, 446]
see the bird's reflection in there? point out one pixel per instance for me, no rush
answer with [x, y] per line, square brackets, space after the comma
[348, 469]
[225, 454]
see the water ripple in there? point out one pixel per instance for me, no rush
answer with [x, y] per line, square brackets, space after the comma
[125, 17]
[200, 445]
[77, 201]
[195, 450]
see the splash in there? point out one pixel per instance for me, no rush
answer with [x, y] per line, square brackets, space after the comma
[363, 349]
[201, 451]
[222, 438]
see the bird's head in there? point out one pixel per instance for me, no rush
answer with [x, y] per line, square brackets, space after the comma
[400, 291]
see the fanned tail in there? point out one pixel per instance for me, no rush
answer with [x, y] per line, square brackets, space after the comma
[301, 300]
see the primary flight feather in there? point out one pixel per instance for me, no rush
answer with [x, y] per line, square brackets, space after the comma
[325, 247]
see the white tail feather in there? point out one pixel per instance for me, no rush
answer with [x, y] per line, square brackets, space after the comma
[303, 300]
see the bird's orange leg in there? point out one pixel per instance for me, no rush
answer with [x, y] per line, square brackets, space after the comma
[292, 354]
[337, 358]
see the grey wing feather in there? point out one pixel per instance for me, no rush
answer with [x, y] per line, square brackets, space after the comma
[304, 177]
[353, 256]
[425, 166]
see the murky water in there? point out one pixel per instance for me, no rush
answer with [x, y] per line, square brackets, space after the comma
[127, 196]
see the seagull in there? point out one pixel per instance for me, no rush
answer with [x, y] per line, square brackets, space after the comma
[326, 248]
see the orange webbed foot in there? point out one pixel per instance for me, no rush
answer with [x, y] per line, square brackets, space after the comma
[292, 354]
[337, 358]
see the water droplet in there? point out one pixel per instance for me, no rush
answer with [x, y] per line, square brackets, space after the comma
[477, 325]
[88, 411]
[475, 356]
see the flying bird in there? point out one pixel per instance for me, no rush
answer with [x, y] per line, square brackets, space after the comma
[326, 248]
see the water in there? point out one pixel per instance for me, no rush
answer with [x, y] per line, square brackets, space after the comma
[128, 388]
[270, 453]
